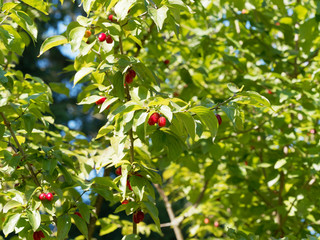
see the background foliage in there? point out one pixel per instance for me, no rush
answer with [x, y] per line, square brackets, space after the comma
[253, 62]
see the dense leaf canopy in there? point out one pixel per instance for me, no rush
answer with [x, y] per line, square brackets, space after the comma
[251, 63]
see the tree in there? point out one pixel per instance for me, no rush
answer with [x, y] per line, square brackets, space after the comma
[182, 88]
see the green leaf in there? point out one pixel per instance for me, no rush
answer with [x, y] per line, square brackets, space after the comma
[64, 225]
[29, 122]
[280, 163]
[67, 176]
[24, 21]
[52, 42]
[144, 73]
[75, 37]
[118, 88]
[89, 100]
[158, 15]
[3, 78]
[107, 103]
[10, 223]
[274, 181]
[131, 237]
[34, 219]
[208, 118]
[59, 88]
[87, 4]
[233, 88]
[82, 73]
[11, 39]
[122, 7]
[84, 211]
[166, 111]
[42, 6]
[188, 123]
[81, 225]
[252, 98]
[138, 186]
[10, 205]
[153, 211]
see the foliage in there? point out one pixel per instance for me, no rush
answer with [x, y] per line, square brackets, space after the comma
[256, 173]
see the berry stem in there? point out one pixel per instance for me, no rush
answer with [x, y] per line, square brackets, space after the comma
[134, 227]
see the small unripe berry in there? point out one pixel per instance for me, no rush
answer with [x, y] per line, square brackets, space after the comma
[118, 171]
[79, 214]
[101, 100]
[153, 119]
[49, 196]
[87, 34]
[162, 121]
[219, 119]
[109, 39]
[42, 196]
[102, 37]
[125, 202]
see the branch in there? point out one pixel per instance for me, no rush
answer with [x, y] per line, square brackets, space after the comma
[173, 221]
[202, 193]
[98, 205]
[24, 156]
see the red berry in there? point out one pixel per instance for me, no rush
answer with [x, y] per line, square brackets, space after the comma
[277, 24]
[129, 185]
[132, 73]
[140, 216]
[162, 121]
[246, 163]
[269, 91]
[110, 17]
[79, 214]
[219, 119]
[125, 202]
[87, 34]
[42, 196]
[129, 79]
[109, 39]
[153, 119]
[216, 224]
[101, 100]
[166, 62]
[118, 171]
[102, 37]
[49, 196]
[41, 234]
[206, 220]
[38, 235]
[135, 218]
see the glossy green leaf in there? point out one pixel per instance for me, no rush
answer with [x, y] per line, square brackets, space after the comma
[131, 237]
[10, 223]
[81, 224]
[29, 122]
[40, 5]
[64, 225]
[24, 21]
[75, 37]
[82, 73]
[34, 219]
[52, 42]
[122, 7]
[10, 205]
[158, 15]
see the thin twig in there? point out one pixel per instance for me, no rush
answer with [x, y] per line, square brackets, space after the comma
[173, 221]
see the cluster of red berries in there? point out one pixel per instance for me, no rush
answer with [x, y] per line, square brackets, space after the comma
[103, 37]
[156, 118]
[131, 74]
[38, 235]
[48, 196]
[138, 216]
